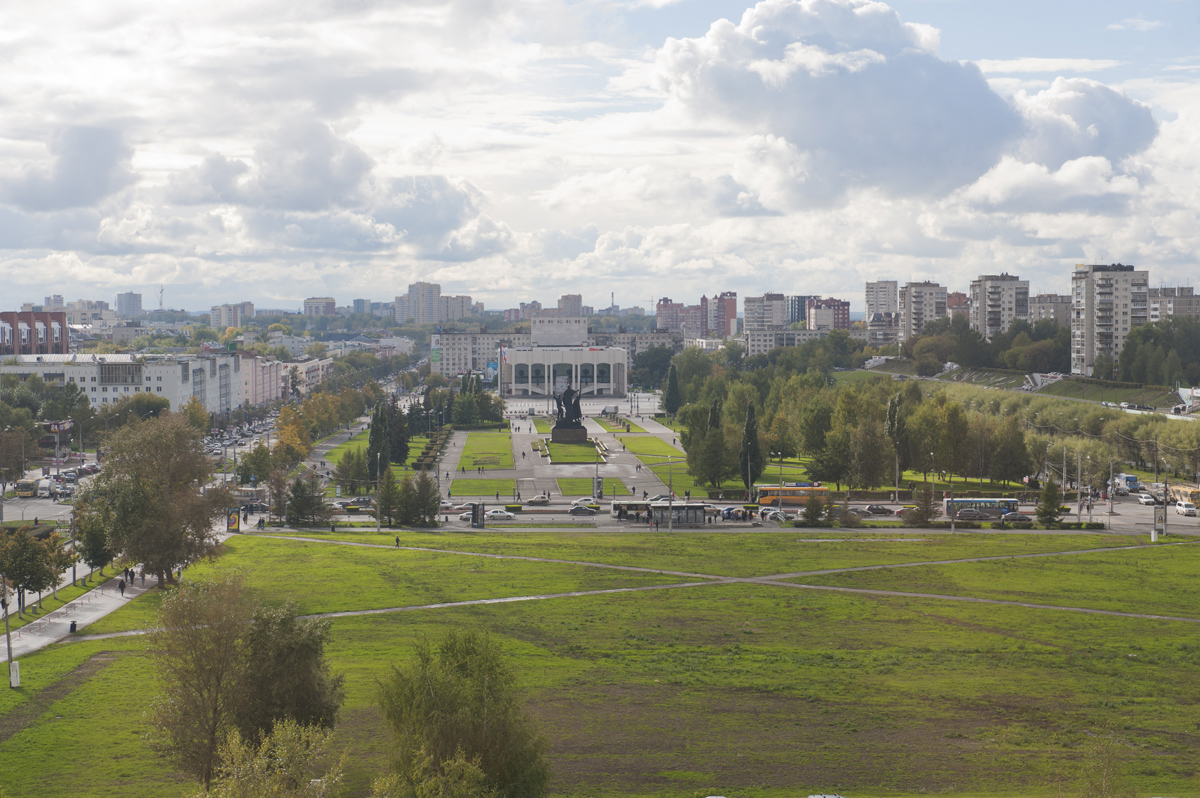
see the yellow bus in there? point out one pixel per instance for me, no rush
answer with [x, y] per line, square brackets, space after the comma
[27, 488]
[1185, 493]
[794, 493]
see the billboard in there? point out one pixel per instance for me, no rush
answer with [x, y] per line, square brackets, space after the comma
[235, 520]
[435, 349]
[561, 383]
[490, 371]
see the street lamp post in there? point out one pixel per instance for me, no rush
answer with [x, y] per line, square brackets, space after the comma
[378, 494]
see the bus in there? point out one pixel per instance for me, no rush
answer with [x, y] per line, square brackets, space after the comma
[794, 493]
[27, 488]
[631, 509]
[996, 507]
[1185, 493]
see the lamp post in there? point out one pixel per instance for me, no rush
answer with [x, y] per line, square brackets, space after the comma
[378, 494]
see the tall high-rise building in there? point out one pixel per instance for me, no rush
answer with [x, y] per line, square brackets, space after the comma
[1055, 307]
[668, 314]
[570, 305]
[361, 306]
[129, 304]
[452, 308]
[422, 304]
[766, 312]
[997, 300]
[920, 303]
[223, 316]
[53, 302]
[796, 308]
[1164, 303]
[1106, 303]
[720, 314]
[882, 297]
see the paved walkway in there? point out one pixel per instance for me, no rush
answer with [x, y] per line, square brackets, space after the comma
[95, 604]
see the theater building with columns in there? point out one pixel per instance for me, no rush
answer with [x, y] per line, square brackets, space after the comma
[560, 356]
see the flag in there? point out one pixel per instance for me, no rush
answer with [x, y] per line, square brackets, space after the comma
[503, 354]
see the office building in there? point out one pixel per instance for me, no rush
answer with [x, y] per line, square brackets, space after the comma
[320, 306]
[129, 304]
[882, 297]
[1106, 303]
[997, 300]
[1055, 307]
[920, 303]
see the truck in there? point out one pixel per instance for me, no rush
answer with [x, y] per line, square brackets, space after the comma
[45, 489]
[1127, 481]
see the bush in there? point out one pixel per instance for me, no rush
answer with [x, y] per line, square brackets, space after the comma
[513, 508]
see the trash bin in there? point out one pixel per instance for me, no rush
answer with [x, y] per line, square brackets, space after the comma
[72, 627]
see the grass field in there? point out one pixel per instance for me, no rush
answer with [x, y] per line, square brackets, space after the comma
[573, 453]
[466, 486]
[1077, 389]
[543, 425]
[609, 426]
[487, 450]
[649, 445]
[742, 688]
[415, 445]
[583, 487]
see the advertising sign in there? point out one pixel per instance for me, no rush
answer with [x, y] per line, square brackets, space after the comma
[235, 521]
[435, 349]
[561, 383]
[490, 372]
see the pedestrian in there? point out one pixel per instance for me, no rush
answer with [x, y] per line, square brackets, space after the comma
[497, 495]
[397, 541]
[121, 587]
[35, 523]
[143, 575]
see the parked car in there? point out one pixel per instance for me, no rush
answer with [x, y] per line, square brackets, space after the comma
[971, 514]
[446, 506]
[581, 509]
[1146, 498]
[500, 515]
[1015, 517]
[1185, 508]
[465, 517]
[541, 500]
[255, 507]
[878, 509]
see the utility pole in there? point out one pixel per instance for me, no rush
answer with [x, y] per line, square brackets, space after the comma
[14, 678]
[1079, 486]
[378, 495]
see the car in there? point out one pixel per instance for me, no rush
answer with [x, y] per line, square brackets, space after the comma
[1185, 508]
[662, 497]
[541, 500]
[465, 517]
[1146, 498]
[581, 509]
[971, 514]
[500, 515]
[445, 506]
[777, 515]
[585, 500]
[1120, 491]
[1015, 517]
[255, 507]
[878, 509]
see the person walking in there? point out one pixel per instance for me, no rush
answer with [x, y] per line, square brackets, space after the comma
[121, 587]
[397, 541]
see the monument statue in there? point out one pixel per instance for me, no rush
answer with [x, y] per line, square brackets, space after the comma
[568, 428]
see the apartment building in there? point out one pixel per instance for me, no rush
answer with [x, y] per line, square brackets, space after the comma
[1163, 303]
[320, 306]
[997, 300]
[1055, 307]
[796, 308]
[882, 296]
[224, 316]
[1106, 303]
[34, 333]
[129, 304]
[920, 303]
[760, 342]
[827, 314]
[766, 312]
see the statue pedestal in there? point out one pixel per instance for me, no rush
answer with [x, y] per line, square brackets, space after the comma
[568, 435]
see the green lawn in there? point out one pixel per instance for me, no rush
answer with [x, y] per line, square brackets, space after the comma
[573, 453]
[583, 487]
[481, 487]
[649, 445]
[1077, 389]
[543, 425]
[610, 426]
[415, 445]
[724, 689]
[487, 450]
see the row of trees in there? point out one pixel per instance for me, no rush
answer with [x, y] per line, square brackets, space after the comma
[28, 563]
[1043, 346]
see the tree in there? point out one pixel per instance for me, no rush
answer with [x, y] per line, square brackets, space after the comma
[925, 508]
[1049, 509]
[287, 676]
[306, 505]
[379, 442]
[750, 460]
[255, 465]
[151, 482]
[458, 777]
[227, 665]
[650, 365]
[198, 651]
[406, 503]
[426, 500]
[871, 453]
[1010, 457]
[461, 698]
[91, 535]
[387, 503]
[343, 472]
[813, 509]
[398, 430]
[196, 415]
[672, 396]
[283, 765]
[27, 564]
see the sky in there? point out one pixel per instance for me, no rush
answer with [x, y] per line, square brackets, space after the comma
[516, 150]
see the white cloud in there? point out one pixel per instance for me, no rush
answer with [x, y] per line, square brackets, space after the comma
[1051, 65]
[1138, 24]
[87, 164]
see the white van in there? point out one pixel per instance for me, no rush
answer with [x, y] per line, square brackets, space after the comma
[1185, 508]
[46, 489]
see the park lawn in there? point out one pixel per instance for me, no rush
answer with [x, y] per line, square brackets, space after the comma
[1115, 581]
[573, 453]
[487, 450]
[583, 487]
[336, 454]
[482, 487]
[1077, 389]
[543, 425]
[610, 426]
[723, 689]
[359, 441]
[649, 445]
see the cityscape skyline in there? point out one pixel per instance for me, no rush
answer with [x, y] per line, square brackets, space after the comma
[579, 147]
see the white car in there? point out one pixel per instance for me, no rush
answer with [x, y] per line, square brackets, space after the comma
[1185, 508]
[1145, 498]
[585, 501]
[500, 515]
